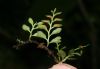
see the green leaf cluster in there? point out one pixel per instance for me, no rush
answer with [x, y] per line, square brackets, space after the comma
[28, 28]
[52, 27]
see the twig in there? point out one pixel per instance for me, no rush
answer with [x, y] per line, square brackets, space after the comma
[39, 45]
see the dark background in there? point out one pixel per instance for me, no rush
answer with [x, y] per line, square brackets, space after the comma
[81, 24]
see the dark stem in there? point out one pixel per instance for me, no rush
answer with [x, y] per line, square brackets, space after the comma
[39, 45]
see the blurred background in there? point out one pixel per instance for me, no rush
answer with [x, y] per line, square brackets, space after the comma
[81, 24]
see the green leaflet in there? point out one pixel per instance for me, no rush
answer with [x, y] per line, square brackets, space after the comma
[45, 21]
[53, 11]
[42, 27]
[72, 53]
[57, 25]
[35, 34]
[56, 31]
[57, 19]
[25, 27]
[40, 23]
[58, 13]
[78, 54]
[40, 34]
[62, 54]
[30, 20]
[56, 40]
[49, 16]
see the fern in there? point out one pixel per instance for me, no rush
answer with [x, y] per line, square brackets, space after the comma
[51, 27]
